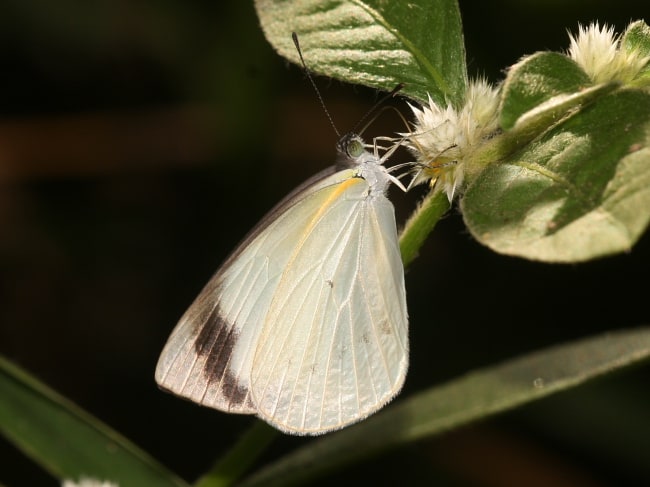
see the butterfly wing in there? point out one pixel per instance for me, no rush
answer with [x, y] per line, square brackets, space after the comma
[334, 345]
[208, 356]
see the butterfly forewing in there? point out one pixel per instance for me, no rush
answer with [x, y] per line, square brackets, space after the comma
[208, 356]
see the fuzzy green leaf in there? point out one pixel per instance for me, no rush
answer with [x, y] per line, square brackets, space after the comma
[68, 442]
[475, 396]
[580, 191]
[535, 80]
[375, 43]
[637, 38]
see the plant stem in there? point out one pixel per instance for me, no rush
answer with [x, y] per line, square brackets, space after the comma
[421, 223]
[233, 464]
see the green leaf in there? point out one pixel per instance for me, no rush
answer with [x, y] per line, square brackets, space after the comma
[580, 191]
[535, 80]
[637, 38]
[375, 43]
[66, 441]
[475, 396]
[530, 125]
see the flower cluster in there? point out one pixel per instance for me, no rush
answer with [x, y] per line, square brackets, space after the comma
[598, 52]
[444, 138]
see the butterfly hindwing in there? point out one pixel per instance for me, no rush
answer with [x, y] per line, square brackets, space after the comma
[334, 346]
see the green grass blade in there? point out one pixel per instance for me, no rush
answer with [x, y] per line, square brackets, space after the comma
[475, 396]
[65, 440]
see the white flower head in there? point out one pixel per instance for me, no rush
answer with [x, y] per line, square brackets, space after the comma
[597, 50]
[88, 482]
[444, 138]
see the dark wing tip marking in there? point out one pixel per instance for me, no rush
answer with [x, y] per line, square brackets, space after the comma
[215, 343]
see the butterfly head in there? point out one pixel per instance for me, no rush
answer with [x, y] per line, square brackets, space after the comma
[350, 148]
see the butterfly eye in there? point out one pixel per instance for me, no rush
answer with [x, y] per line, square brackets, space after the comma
[355, 147]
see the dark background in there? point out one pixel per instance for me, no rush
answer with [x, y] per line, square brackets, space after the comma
[139, 141]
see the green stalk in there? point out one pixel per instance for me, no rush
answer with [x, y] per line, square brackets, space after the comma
[229, 468]
[421, 224]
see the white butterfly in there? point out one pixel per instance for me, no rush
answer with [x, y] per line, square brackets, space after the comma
[305, 324]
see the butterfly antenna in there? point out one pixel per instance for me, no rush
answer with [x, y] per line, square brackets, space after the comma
[374, 110]
[307, 71]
